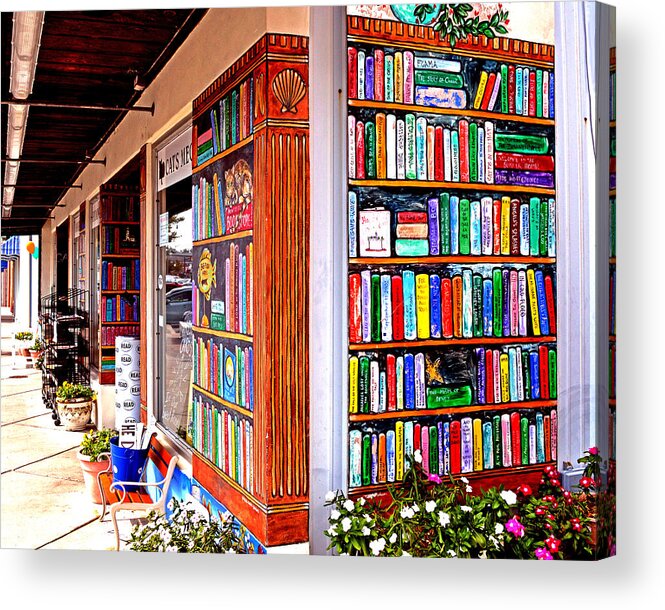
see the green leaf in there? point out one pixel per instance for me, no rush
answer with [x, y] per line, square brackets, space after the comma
[501, 29]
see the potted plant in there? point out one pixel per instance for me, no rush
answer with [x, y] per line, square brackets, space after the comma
[23, 338]
[74, 402]
[94, 457]
[36, 351]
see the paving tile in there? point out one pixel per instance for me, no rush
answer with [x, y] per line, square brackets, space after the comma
[23, 444]
[62, 466]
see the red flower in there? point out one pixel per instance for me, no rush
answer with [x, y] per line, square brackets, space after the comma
[593, 450]
[540, 510]
[548, 498]
[586, 482]
[576, 524]
[552, 544]
[549, 469]
[566, 494]
[555, 482]
[548, 526]
[524, 490]
[507, 21]
[550, 517]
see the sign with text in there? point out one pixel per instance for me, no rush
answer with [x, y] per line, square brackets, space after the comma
[174, 161]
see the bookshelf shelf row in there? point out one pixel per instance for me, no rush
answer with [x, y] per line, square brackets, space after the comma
[477, 114]
[121, 222]
[436, 260]
[362, 347]
[405, 414]
[225, 403]
[108, 291]
[222, 238]
[125, 255]
[223, 333]
[433, 184]
[226, 152]
[119, 322]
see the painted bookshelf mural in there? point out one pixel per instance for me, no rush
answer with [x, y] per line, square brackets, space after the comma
[248, 422]
[612, 266]
[452, 255]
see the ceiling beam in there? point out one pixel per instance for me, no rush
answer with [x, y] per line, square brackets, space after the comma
[44, 186]
[56, 161]
[150, 109]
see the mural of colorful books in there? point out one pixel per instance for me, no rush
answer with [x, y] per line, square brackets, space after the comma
[452, 232]
[425, 78]
[452, 445]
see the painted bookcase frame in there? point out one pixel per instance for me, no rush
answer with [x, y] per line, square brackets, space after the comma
[391, 424]
[582, 252]
[269, 159]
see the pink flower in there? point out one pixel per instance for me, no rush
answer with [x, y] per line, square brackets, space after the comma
[515, 527]
[552, 544]
[525, 490]
[593, 450]
[542, 553]
[435, 478]
[586, 482]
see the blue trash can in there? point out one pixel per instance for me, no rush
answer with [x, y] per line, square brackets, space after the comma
[128, 464]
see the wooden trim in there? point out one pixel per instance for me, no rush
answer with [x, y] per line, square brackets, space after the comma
[363, 347]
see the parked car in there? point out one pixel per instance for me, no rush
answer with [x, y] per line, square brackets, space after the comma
[178, 303]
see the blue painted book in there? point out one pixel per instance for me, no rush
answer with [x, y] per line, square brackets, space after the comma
[434, 226]
[369, 77]
[454, 224]
[481, 388]
[488, 304]
[409, 382]
[534, 370]
[409, 290]
[542, 303]
[435, 306]
[390, 455]
[540, 438]
[506, 302]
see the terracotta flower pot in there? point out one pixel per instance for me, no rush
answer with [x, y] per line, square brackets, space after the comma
[75, 413]
[90, 472]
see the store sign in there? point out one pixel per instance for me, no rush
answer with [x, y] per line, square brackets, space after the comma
[174, 161]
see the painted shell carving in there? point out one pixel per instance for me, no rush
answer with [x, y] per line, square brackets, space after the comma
[289, 88]
[260, 104]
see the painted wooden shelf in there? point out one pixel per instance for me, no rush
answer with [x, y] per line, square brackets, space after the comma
[120, 291]
[407, 413]
[433, 184]
[113, 255]
[223, 333]
[225, 403]
[461, 259]
[123, 322]
[477, 114]
[226, 152]
[121, 222]
[221, 238]
[362, 347]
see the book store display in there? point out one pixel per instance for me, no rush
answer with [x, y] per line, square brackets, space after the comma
[452, 256]
[119, 303]
[248, 418]
[612, 267]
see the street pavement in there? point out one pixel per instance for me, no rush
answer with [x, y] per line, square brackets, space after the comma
[43, 500]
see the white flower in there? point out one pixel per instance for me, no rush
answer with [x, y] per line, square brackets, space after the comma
[332, 530]
[444, 518]
[464, 480]
[452, 553]
[172, 549]
[231, 552]
[346, 524]
[367, 518]
[466, 509]
[361, 501]
[171, 504]
[430, 506]
[330, 496]
[405, 554]
[510, 497]
[469, 489]
[349, 505]
[343, 554]
[494, 541]
[377, 545]
[406, 513]
[482, 554]
[498, 528]
[415, 508]
[393, 538]
[366, 531]
[417, 456]
[334, 515]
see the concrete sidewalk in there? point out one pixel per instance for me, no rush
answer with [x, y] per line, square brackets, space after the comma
[43, 500]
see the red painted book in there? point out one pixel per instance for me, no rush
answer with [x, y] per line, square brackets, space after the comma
[496, 227]
[532, 93]
[379, 75]
[540, 163]
[411, 217]
[416, 437]
[489, 374]
[511, 89]
[547, 429]
[484, 105]
[438, 153]
[392, 382]
[352, 73]
[360, 150]
[382, 459]
[398, 307]
[544, 372]
[447, 307]
[355, 307]
[516, 438]
[455, 445]
[551, 309]
[463, 150]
